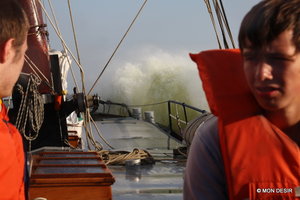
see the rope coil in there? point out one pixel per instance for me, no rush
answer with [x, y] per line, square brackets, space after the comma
[31, 108]
[119, 157]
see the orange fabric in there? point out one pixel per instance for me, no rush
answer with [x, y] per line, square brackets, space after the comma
[260, 156]
[257, 155]
[11, 160]
[221, 71]
[57, 102]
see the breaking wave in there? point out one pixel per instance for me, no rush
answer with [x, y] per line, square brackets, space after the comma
[158, 77]
[154, 78]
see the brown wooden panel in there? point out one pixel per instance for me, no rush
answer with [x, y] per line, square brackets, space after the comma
[72, 192]
[66, 154]
[99, 181]
[73, 140]
[70, 180]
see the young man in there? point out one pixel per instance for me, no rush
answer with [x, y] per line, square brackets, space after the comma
[13, 44]
[255, 154]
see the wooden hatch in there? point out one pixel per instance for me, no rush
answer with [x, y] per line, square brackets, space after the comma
[70, 176]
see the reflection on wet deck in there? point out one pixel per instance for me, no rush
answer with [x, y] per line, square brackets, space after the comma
[160, 181]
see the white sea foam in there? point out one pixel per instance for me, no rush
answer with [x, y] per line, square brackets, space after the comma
[158, 77]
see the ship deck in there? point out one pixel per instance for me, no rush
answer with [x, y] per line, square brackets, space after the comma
[162, 180]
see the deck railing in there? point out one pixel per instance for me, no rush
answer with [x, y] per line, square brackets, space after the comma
[172, 116]
[180, 114]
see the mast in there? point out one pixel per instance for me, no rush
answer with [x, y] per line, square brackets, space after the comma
[38, 44]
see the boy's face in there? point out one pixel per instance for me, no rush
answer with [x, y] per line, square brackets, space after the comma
[273, 74]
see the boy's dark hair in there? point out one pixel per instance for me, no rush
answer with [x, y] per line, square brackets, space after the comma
[266, 20]
[13, 22]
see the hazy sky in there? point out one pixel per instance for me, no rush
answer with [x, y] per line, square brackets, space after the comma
[172, 27]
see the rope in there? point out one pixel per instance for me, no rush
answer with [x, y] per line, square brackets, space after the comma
[99, 134]
[33, 67]
[86, 124]
[66, 141]
[63, 44]
[119, 157]
[118, 46]
[88, 130]
[222, 21]
[226, 23]
[31, 108]
[213, 21]
[43, 14]
[217, 10]
[178, 118]
[74, 33]
[181, 151]
[89, 136]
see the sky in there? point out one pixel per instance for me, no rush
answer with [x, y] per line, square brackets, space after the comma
[164, 34]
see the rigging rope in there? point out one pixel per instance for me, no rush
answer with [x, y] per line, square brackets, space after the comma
[217, 10]
[120, 157]
[74, 33]
[213, 21]
[87, 120]
[63, 45]
[99, 134]
[31, 108]
[222, 21]
[89, 136]
[67, 48]
[86, 124]
[143, 5]
[87, 116]
[43, 14]
[226, 23]
[33, 67]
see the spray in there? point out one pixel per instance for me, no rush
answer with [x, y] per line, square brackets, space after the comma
[158, 77]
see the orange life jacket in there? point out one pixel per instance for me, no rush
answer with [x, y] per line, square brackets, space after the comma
[11, 160]
[260, 161]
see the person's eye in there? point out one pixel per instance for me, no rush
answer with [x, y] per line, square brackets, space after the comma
[280, 58]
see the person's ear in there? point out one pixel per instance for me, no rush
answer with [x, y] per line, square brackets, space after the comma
[6, 50]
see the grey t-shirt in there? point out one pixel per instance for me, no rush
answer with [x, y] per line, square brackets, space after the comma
[204, 176]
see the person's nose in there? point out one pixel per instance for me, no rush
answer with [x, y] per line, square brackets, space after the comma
[264, 72]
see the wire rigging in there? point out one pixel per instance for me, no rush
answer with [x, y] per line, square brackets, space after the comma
[67, 48]
[35, 69]
[87, 124]
[133, 21]
[213, 21]
[218, 13]
[222, 21]
[226, 23]
[88, 121]
[99, 133]
[64, 47]
[74, 32]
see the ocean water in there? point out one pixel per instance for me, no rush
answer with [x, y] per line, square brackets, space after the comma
[157, 77]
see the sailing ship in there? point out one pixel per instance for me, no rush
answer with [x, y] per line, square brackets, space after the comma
[140, 157]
